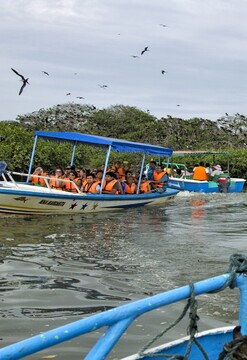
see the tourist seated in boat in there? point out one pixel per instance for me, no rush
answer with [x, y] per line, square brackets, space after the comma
[121, 181]
[36, 180]
[56, 180]
[187, 173]
[117, 168]
[111, 184]
[67, 171]
[151, 169]
[74, 182]
[200, 172]
[126, 167]
[208, 170]
[217, 171]
[145, 186]
[91, 185]
[130, 185]
[160, 178]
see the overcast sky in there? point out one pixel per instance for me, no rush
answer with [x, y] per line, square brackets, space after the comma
[86, 43]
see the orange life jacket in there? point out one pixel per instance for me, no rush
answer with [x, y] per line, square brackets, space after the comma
[70, 186]
[53, 182]
[157, 177]
[145, 187]
[109, 186]
[130, 189]
[38, 181]
[200, 173]
[120, 171]
[90, 188]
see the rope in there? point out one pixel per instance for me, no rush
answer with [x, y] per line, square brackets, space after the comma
[235, 350]
[238, 264]
[191, 330]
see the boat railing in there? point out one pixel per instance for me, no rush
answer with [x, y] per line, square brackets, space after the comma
[8, 176]
[117, 320]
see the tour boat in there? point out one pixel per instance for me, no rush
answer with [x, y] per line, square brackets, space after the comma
[227, 342]
[224, 184]
[25, 198]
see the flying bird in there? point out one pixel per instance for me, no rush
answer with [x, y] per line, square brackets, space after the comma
[102, 86]
[163, 25]
[68, 94]
[25, 81]
[80, 97]
[145, 49]
[135, 56]
[178, 105]
[163, 72]
[46, 73]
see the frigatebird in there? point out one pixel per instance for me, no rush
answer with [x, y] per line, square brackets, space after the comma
[25, 81]
[145, 49]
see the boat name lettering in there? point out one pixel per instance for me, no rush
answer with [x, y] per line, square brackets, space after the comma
[54, 203]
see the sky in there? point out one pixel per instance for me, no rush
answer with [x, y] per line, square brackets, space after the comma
[84, 44]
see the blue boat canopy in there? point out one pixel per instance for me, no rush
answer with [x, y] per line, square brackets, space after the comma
[116, 144]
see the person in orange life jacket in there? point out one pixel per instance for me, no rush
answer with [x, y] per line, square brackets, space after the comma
[111, 185]
[90, 185]
[70, 185]
[152, 167]
[200, 172]
[160, 178]
[56, 180]
[117, 168]
[36, 180]
[130, 185]
[145, 185]
[67, 171]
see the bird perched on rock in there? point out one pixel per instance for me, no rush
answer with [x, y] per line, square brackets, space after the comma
[25, 81]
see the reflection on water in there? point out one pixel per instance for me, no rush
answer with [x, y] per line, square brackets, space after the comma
[59, 269]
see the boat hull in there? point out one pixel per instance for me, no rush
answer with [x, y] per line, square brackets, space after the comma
[29, 199]
[212, 341]
[236, 185]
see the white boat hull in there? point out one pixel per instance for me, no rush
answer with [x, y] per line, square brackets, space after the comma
[29, 199]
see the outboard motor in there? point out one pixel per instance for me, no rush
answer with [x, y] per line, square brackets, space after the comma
[223, 183]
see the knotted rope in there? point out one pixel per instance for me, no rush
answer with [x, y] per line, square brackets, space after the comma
[238, 264]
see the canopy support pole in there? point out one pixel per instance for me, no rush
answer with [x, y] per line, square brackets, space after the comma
[73, 153]
[32, 157]
[105, 167]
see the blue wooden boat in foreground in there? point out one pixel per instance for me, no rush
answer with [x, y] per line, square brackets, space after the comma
[26, 199]
[196, 346]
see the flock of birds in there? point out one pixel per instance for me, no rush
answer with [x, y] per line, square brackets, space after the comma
[102, 86]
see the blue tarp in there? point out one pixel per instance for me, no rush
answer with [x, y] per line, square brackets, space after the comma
[116, 144]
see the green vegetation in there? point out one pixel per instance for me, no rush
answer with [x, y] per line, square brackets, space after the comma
[226, 134]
